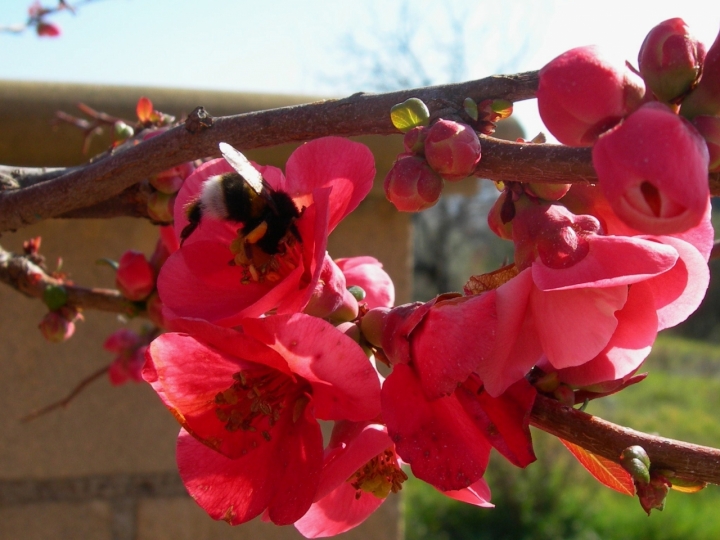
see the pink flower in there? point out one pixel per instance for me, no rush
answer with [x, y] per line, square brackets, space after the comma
[360, 470]
[452, 149]
[326, 178]
[331, 299]
[653, 171]
[368, 274]
[598, 315]
[248, 403]
[581, 95]
[135, 277]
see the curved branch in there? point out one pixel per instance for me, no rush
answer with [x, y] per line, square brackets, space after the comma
[24, 275]
[688, 461]
[359, 114]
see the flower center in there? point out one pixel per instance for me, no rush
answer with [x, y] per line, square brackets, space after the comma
[254, 402]
[379, 476]
[259, 266]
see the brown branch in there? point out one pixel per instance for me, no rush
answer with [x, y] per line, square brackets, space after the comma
[688, 461]
[22, 274]
[359, 114]
[62, 403]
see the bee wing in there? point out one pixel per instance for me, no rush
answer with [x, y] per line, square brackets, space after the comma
[241, 164]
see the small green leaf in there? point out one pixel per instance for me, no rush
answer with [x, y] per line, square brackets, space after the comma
[409, 114]
[55, 297]
[108, 262]
[471, 108]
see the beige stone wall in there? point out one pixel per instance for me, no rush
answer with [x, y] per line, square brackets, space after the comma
[104, 468]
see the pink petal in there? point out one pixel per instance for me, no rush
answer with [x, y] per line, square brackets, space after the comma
[477, 494]
[611, 261]
[505, 420]
[345, 384]
[455, 336]
[575, 325]
[678, 292]
[187, 375]
[337, 512]
[368, 273]
[348, 167]
[437, 438]
[237, 490]
[628, 347]
[517, 344]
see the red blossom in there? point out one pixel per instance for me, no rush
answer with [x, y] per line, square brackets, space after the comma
[135, 277]
[248, 402]
[326, 179]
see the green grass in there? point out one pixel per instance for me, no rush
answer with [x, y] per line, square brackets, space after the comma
[556, 499]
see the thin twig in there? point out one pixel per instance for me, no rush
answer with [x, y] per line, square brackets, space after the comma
[64, 402]
[22, 274]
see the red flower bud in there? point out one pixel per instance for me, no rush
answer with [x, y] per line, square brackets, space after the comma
[414, 140]
[135, 277]
[581, 95]
[709, 128]
[56, 328]
[47, 29]
[452, 149]
[161, 206]
[653, 171]
[705, 98]
[411, 185]
[670, 59]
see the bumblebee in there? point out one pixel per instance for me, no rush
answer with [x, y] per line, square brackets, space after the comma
[267, 215]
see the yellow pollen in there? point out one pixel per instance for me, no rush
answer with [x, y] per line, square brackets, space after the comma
[379, 476]
[254, 236]
[253, 402]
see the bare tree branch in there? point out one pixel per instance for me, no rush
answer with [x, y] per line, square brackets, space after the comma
[359, 114]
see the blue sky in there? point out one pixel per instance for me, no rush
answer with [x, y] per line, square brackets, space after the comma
[297, 47]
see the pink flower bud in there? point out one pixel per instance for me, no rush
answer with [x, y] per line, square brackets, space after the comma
[581, 95]
[653, 171]
[47, 29]
[670, 59]
[452, 149]
[171, 180]
[411, 185]
[135, 277]
[331, 300]
[705, 98]
[414, 140]
[160, 206]
[495, 221]
[551, 233]
[709, 128]
[56, 328]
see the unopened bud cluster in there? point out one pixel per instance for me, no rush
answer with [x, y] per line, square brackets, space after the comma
[447, 150]
[652, 162]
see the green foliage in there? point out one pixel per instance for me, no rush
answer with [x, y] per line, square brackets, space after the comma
[555, 499]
